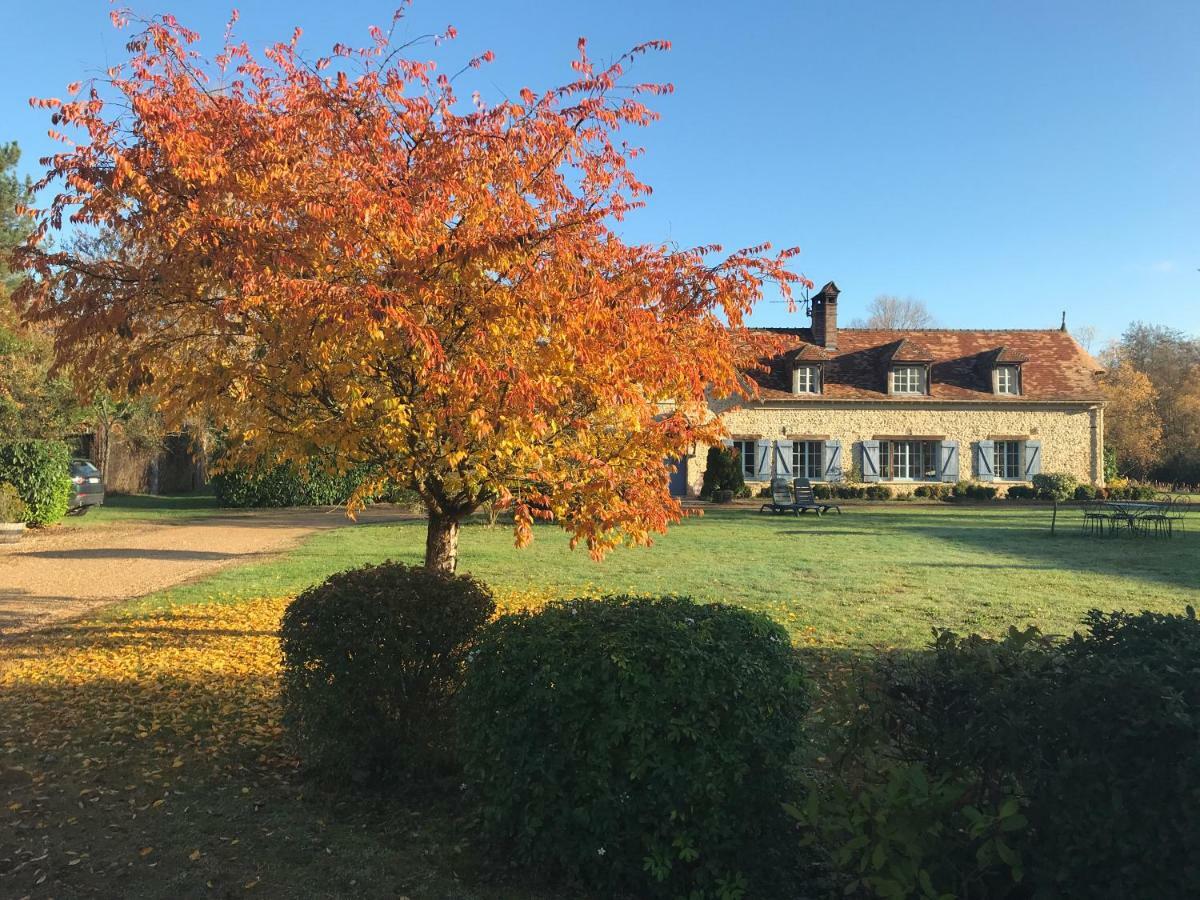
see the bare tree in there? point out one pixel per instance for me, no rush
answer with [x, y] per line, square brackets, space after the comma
[889, 311]
[1085, 335]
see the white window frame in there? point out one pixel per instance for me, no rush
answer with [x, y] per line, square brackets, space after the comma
[907, 380]
[745, 451]
[806, 380]
[808, 460]
[916, 460]
[1008, 380]
[1008, 460]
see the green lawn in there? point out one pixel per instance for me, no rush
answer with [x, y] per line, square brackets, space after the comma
[878, 575]
[123, 508]
[142, 755]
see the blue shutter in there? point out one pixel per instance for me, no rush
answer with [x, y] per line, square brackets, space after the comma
[763, 460]
[1033, 459]
[985, 460]
[832, 461]
[870, 460]
[948, 461]
[783, 459]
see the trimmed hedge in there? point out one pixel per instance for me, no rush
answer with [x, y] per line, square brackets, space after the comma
[1055, 486]
[1096, 738]
[372, 660]
[283, 485]
[40, 471]
[722, 472]
[638, 744]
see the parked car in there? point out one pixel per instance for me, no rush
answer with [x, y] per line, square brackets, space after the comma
[87, 487]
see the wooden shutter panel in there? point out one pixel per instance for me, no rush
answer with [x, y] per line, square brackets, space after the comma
[832, 461]
[948, 461]
[985, 460]
[870, 460]
[783, 459]
[762, 461]
[1033, 459]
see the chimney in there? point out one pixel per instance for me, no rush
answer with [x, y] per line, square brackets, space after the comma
[824, 316]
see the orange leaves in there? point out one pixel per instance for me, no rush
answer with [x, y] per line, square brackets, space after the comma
[352, 266]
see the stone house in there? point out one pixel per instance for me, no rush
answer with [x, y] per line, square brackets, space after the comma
[906, 407]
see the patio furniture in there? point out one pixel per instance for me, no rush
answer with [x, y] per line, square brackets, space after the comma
[1098, 519]
[806, 499]
[781, 498]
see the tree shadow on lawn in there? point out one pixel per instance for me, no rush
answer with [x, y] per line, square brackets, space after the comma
[150, 784]
[1173, 562]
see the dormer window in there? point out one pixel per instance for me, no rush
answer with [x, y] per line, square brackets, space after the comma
[1008, 380]
[806, 380]
[908, 380]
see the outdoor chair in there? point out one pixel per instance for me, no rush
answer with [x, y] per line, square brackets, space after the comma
[1179, 509]
[1098, 519]
[781, 498]
[806, 499]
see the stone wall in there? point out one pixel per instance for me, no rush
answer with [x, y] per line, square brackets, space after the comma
[1071, 435]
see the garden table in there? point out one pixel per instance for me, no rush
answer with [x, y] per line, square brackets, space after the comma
[1129, 511]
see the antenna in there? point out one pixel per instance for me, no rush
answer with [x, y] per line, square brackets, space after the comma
[807, 305]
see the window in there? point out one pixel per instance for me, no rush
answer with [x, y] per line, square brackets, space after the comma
[808, 460]
[745, 452]
[1007, 460]
[1007, 380]
[908, 380]
[806, 380]
[908, 460]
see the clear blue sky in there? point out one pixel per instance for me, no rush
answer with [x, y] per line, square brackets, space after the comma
[1000, 161]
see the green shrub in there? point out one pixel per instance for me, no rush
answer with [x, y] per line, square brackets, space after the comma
[40, 471]
[1100, 734]
[1022, 492]
[1132, 490]
[372, 659]
[1085, 492]
[896, 831]
[722, 472]
[878, 492]
[638, 744]
[1055, 486]
[12, 507]
[849, 491]
[933, 491]
[970, 490]
[283, 485]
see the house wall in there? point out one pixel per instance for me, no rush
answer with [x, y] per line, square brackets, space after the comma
[1072, 435]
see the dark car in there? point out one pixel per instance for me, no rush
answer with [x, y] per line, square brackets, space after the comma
[87, 487]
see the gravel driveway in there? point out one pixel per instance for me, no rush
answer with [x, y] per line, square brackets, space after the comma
[63, 573]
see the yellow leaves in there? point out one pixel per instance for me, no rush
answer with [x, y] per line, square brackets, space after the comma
[145, 851]
[194, 855]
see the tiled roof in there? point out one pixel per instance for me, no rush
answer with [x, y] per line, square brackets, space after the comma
[908, 350]
[1054, 367]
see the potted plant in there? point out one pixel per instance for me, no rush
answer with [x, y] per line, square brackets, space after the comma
[12, 514]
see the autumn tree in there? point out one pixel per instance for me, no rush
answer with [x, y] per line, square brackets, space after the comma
[341, 258]
[890, 312]
[1132, 426]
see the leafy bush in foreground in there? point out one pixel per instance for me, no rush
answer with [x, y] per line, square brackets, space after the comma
[640, 745]
[40, 471]
[1099, 735]
[372, 659]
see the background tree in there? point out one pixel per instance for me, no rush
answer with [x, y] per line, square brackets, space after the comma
[891, 312]
[33, 403]
[1170, 360]
[1132, 426]
[341, 259]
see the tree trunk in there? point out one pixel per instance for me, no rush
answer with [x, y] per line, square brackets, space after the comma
[441, 543]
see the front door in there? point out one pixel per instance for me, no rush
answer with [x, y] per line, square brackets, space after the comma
[679, 479]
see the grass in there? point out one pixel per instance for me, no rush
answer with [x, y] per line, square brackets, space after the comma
[141, 753]
[880, 575]
[129, 508]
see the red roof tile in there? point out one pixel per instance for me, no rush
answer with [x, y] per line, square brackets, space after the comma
[1054, 367]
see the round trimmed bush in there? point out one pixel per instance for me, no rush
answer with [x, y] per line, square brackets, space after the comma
[638, 744]
[372, 661]
[40, 471]
[879, 492]
[1058, 486]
